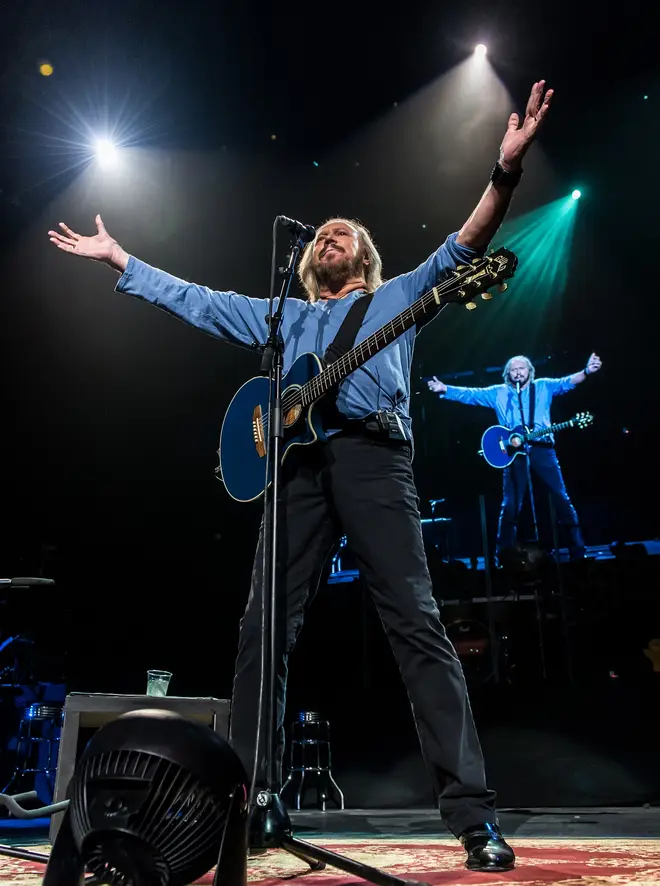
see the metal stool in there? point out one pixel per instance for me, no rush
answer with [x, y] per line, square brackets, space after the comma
[310, 753]
[48, 716]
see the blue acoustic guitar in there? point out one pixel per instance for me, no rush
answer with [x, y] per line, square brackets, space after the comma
[244, 435]
[500, 445]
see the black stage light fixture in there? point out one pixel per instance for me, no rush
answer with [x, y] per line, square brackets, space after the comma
[155, 800]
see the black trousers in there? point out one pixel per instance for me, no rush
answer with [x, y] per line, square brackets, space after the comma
[364, 487]
[544, 466]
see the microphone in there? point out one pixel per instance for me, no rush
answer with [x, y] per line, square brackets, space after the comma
[305, 232]
[25, 582]
[517, 387]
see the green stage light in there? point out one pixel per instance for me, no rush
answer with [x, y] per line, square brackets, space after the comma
[542, 241]
[576, 194]
[526, 316]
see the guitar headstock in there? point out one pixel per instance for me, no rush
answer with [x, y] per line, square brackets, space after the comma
[583, 419]
[480, 276]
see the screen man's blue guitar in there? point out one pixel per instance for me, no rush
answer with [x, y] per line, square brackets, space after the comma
[500, 445]
[244, 435]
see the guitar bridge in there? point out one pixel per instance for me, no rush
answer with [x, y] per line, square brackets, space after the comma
[258, 431]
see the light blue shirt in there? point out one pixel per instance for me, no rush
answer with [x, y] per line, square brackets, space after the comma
[382, 383]
[504, 400]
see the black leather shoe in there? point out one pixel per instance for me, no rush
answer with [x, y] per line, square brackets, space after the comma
[486, 848]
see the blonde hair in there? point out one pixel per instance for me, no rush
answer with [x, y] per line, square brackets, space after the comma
[527, 361]
[372, 270]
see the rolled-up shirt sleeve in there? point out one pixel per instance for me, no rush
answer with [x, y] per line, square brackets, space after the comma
[436, 268]
[557, 386]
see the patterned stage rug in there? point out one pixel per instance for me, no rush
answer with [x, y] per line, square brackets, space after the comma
[440, 861]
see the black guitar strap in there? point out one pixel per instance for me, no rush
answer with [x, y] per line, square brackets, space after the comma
[347, 332]
[387, 423]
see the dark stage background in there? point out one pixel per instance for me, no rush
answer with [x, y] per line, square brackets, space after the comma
[112, 409]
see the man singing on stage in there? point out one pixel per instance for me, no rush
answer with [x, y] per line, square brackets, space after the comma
[360, 482]
[525, 401]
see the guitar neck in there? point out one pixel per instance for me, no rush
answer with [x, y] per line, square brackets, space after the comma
[336, 372]
[461, 286]
[542, 432]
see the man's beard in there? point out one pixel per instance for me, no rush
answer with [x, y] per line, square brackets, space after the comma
[333, 276]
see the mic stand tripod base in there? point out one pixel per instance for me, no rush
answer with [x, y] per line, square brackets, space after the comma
[24, 854]
[13, 803]
[270, 828]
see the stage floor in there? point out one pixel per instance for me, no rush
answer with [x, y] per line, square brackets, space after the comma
[592, 552]
[554, 847]
[569, 823]
[630, 823]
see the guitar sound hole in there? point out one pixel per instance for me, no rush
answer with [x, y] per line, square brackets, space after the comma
[292, 416]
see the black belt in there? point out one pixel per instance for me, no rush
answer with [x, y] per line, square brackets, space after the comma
[383, 425]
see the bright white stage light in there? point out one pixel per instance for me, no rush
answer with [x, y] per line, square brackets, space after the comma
[576, 194]
[106, 152]
[480, 50]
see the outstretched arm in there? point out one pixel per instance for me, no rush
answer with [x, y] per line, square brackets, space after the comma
[482, 225]
[593, 365]
[559, 386]
[479, 229]
[225, 315]
[468, 396]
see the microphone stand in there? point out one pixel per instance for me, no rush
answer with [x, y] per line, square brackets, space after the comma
[272, 364]
[539, 613]
[527, 461]
[270, 825]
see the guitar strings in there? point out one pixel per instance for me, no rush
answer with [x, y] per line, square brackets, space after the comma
[315, 385]
[314, 388]
[405, 319]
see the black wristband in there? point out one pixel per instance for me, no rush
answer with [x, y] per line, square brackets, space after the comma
[499, 176]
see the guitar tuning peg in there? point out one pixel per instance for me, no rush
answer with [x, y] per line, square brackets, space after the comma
[471, 305]
[503, 287]
[486, 295]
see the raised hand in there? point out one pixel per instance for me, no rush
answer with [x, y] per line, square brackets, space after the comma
[519, 137]
[437, 386]
[594, 363]
[101, 247]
